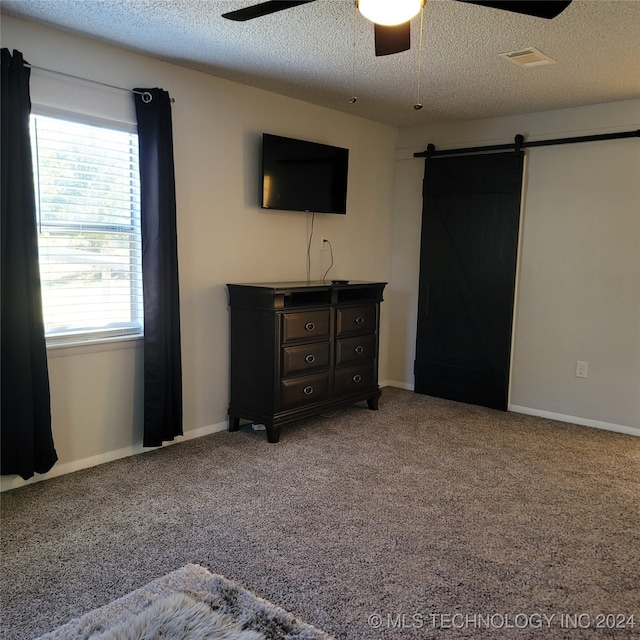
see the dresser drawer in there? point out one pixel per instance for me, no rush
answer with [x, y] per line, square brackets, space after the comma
[353, 379]
[305, 324]
[356, 320]
[358, 349]
[305, 358]
[306, 390]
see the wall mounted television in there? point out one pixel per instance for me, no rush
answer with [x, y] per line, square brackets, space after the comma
[303, 176]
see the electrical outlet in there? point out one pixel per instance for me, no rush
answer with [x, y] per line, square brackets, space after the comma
[324, 244]
[581, 369]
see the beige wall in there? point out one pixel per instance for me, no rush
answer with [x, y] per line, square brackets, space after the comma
[578, 294]
[579, 283]
[223, 235]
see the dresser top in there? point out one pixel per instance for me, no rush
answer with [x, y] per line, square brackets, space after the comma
[303, 284]
[283, 295]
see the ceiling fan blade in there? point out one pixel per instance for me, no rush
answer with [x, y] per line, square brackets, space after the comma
[262, 9]
[394, 39]
[538, 8]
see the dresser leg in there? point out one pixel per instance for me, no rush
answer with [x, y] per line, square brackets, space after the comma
[234, 423]
[372, 403]
[273, 433]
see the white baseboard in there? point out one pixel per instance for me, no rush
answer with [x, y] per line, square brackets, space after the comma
[585, 422]
[396, 384]
[60, 469]
[15, 481]
[202, 431]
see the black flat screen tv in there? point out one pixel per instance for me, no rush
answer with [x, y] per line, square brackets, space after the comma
[303, 176]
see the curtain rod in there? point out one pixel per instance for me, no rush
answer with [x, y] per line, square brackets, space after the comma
[146, 96]
[520, 144]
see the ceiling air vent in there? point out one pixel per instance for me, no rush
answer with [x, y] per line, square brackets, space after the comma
[529, 57]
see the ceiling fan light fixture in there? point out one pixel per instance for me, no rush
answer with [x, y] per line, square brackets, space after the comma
[389, 12]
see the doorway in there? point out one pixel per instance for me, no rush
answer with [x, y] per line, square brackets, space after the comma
[468, 257]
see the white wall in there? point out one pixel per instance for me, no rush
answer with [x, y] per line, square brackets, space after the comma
[578, 294]
[223, 235]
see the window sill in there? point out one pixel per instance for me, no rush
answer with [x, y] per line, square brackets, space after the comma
[62, 349]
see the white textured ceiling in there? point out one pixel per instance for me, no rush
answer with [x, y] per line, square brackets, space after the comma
[322, 53]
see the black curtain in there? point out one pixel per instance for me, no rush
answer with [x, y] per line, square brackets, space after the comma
[162, 358]
[27, 441]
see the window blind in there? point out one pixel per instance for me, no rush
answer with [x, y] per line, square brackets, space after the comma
[87, 186]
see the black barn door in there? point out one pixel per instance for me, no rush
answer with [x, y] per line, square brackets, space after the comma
[470, 220]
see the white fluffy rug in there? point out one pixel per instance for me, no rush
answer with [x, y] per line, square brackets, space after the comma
[179, 617]
[188, 604]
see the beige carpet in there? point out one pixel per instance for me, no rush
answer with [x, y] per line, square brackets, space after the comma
[365, 524]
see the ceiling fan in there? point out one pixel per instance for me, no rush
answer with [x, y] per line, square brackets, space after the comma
[393, 34]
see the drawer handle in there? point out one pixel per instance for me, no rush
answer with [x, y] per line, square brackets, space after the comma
[359, 320]
[357, 378]
[310, 359]
[310, 326]
[308, 390]
[359, 349]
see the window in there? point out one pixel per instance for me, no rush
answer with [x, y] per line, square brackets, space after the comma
[87, 187]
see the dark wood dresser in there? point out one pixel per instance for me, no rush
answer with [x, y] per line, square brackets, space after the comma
[302, 348]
